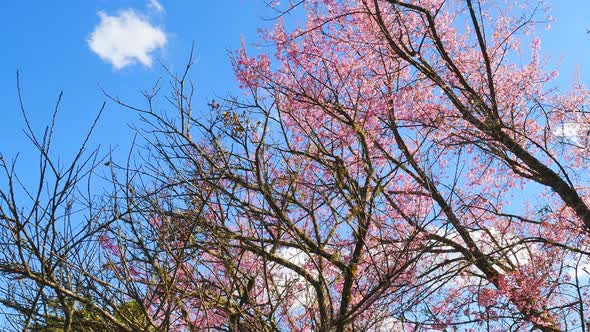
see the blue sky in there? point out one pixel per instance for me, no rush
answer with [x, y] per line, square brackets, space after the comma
[50, 43]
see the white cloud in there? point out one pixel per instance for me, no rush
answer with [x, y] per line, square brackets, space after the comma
[126, 38]
[156, 6]
[387, 324]
[289, 284]
[575, 132]
[502, 247]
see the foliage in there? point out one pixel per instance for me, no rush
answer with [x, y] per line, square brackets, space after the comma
[395, 166]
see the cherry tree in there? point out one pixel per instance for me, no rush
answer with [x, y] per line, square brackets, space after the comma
[394, 166]
[429, 118]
